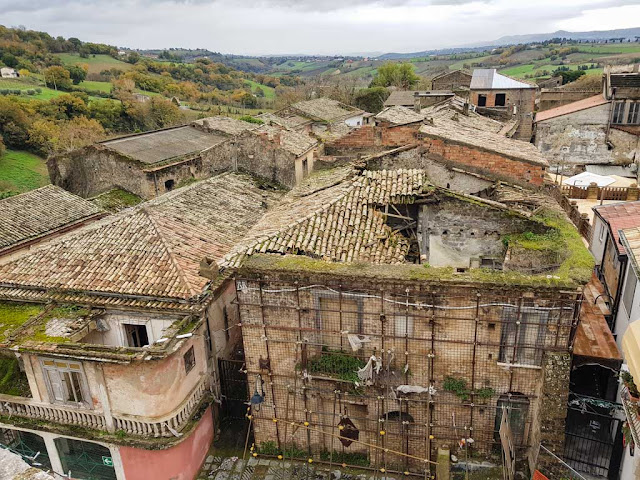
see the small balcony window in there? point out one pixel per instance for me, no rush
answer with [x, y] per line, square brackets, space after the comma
[66, 382]
[189, 360]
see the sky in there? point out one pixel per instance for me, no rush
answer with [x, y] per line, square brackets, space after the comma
[327, 27]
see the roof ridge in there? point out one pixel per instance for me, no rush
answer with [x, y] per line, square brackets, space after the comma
[160, 233]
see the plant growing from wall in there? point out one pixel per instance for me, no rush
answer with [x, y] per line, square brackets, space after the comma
[627, 379]
[336, 364]
[458, 386]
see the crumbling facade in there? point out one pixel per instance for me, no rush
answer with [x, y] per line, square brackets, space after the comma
[153, 163]
[376, 340]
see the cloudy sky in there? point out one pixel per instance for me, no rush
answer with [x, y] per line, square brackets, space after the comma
[257, 27]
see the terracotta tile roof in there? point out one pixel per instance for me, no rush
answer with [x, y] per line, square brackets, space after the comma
[406, 98]
[452, 130]
[152, 250]
[453, 109]
[163, 145]
[398, 115]
[593, 337]
[583, 104]
[326, 109]
[41, 212]
[225, 125]
[619, 216]
[296, 143]
[341, 219]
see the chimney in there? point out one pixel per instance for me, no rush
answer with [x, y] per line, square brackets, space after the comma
[416, 101]
[465, 108]
[208, 269]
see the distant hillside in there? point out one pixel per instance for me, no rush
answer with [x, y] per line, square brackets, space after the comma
[624, 34]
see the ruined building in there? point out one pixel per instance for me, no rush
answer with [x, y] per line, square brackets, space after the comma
[151, 163]
[504, 98]
[384, 317]
[601, 129]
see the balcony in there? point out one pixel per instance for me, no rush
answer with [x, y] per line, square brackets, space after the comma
[167, 426]
[631, 406]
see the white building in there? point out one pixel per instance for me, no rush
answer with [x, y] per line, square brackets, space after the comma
[7, 72]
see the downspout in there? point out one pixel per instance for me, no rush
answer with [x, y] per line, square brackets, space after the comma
[616, 303]
[611, 109]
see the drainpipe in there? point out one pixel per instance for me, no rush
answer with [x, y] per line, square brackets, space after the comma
[611, 108]
[621, 281]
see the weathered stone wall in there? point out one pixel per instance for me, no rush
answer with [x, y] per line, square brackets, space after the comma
[580, 138]
[549, 419]
[440, 174]
[460, 232]
[93, 170]
[556, 97]
[452, 81]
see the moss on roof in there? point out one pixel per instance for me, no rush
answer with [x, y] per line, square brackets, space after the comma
[116, 200]
[14, 315]
[574, 271]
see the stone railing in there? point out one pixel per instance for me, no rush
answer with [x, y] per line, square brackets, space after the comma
[166, 426]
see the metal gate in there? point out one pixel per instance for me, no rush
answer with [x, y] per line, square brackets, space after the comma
[593, 442]
[234, 388]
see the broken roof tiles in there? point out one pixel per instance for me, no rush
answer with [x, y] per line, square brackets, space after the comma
[326, 110]
[296, 143]
[398, 115]
[451, 130]
[41, 212]
[453, 109]
[224, 125]
[153, 250]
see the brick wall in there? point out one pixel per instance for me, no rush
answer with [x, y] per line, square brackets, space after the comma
[374, 138]
[514, 170]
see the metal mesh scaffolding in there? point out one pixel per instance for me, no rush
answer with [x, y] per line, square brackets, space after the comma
[407, 368]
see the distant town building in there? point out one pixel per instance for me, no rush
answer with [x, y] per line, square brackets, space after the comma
[501, 96]
[6, 72]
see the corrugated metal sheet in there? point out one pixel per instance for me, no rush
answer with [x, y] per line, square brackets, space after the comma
[488, 78]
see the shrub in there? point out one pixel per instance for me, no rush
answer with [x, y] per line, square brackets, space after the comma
[39, 90]
[31, 91]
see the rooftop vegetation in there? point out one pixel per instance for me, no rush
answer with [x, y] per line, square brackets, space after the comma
[563, 238]
[15, 315]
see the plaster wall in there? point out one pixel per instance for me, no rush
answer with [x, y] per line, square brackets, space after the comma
[116, 335]
[600, 232]
[180, 462]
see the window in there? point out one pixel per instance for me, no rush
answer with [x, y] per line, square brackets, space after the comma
[169, 184]
[305, 167]
[403, 326]
[618, 112]
[523, 343]
[189, 360]
[136, 335]
[482, 100]
[629, 290]
[501, 99]
[66, 382]
[602, 230]
[634, 113]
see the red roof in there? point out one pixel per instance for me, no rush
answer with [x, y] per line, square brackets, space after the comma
[571, 107]
[619, 216]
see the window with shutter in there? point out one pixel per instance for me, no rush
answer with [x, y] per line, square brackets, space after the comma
[66, 382]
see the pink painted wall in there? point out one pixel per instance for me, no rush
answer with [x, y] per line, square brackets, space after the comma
[181, 462]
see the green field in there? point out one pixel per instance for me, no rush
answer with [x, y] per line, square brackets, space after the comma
[96, 86]
[536, 69]
[611, 48]
[269, 92]
[22, 171]
[46, 94]
[96, 63]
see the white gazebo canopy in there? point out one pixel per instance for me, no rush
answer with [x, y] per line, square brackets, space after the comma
[585, 179]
